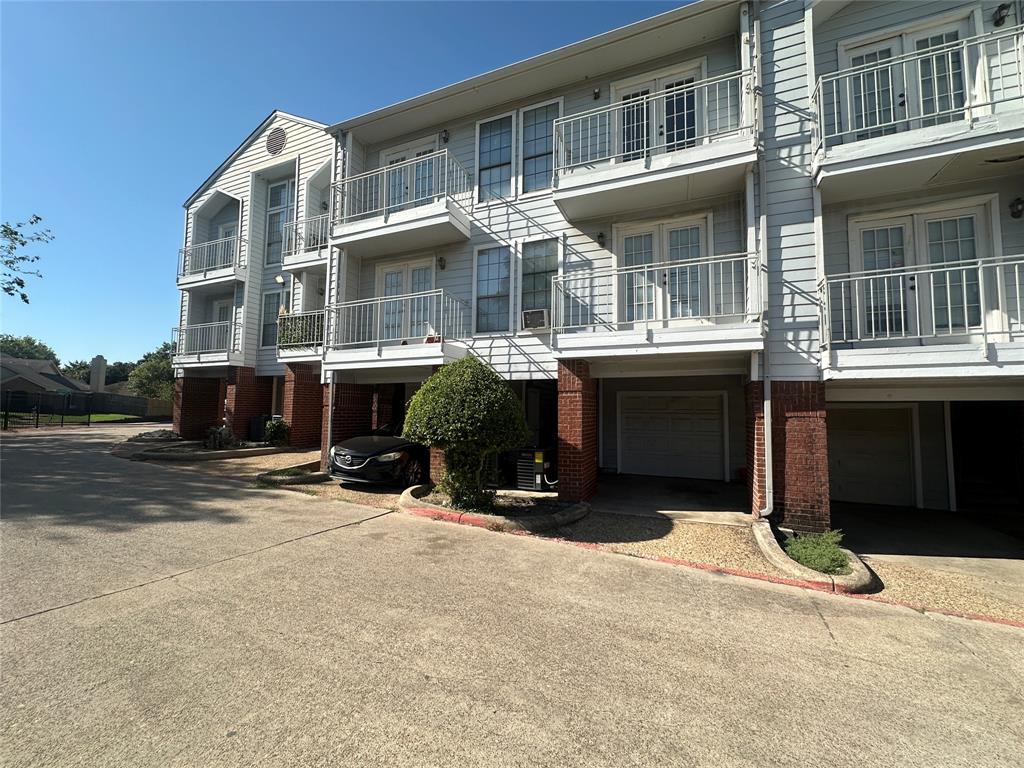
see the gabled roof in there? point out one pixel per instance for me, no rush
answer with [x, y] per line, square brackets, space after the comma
[245, 144]
[43, 373]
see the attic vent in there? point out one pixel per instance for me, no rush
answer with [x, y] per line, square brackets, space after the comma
[276, 140]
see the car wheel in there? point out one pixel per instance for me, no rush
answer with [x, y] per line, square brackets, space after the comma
[412, 472]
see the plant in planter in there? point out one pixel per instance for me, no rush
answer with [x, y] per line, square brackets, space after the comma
[819, 551]
[277, 432]
[470, 412]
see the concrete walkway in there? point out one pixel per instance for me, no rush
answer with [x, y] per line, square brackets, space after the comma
[672, 497]
[153, 619]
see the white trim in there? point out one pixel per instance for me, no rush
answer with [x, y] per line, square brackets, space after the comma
[970, 13]
[477, 202]
[699, 65]
[560, 101]
[675, 393]
[309, 184]
[950, 465]
[409, 147]
[407, 264]
[511, 245]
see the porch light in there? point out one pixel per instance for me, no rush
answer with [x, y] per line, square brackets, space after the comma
[444, 136]
[441, 263]
[1000, 14]
[279, 279]
[597, 94]
[1017, 208]
[600, 239]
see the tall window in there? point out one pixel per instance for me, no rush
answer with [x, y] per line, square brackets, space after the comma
[538, 144]
[493, 287]
[494, 158]
[280, 199]
[272, 303]
[540, 264]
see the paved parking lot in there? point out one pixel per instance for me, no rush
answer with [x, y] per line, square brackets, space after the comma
[156, 618]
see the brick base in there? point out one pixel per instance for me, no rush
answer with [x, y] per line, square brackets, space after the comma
[248, 395]
[351, 414]
[303, 404]
[197, 406]
[577, 431]
[437, 465]
[799, 453]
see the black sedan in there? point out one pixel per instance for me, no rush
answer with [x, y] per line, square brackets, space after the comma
[379, 458]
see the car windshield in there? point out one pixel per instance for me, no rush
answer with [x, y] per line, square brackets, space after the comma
[388, 430]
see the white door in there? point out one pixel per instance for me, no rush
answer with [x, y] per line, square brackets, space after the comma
[280, 212]
[412, 315]
[409, 184]
[657, 115]
[874, 98]
[939, 90]
[871, 455]
[223, 311]
[672, 434]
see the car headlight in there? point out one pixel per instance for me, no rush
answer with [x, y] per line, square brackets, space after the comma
[390, 456]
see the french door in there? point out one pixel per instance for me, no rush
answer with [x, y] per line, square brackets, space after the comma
[409, 316]
[662, 276]
[664, 123]
[223, 312]
[408, 184]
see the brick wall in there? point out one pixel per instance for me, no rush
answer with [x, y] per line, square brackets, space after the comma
[755, 445]
[384, 404]
[800, 455]
[247, 395]
[577, 431]
[303, 403]
[197, 406]
[437, 465]
[351, 414]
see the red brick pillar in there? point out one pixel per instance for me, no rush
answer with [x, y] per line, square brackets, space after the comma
[755, 446]
[303, 403]
[351, 414]
[248, 395]
[577, 431]
[800, 455]
[196, 406]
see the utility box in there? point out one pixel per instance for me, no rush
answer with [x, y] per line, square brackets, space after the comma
[534, 467]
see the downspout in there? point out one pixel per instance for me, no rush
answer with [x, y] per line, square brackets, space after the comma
[762, 247]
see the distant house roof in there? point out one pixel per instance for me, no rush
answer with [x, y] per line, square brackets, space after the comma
[43, 374]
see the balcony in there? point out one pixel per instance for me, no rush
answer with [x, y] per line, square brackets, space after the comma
[676, 145]
[413, 330]
[211, 263]
[416, 204]
[950, 320]
[300, 336]
[305, 241]
[207, 344]
[922, 106]
[711, 304]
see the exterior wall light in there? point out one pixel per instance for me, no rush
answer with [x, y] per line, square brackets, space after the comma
[600, 239]
[444, 136]
[1000, 14]
[441, 263]
[1017, 208]
[597, 94]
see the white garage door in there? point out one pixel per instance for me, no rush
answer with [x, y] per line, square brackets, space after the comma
[671, 435]
[871, 455]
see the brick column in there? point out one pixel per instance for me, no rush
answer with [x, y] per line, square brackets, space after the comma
[800, 455]
[196, 406]
[351, 414]
[303, 403]
[248, 395]
[577, 431]
[755, 445]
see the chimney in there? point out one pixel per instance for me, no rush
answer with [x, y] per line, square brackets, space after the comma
[97, 373]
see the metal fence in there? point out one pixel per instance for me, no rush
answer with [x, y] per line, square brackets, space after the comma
[309, 234]
[427, 317]
[215, 254]
[54, 409]
[301, 329]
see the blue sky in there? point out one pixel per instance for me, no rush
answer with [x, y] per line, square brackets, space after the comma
[113, 113]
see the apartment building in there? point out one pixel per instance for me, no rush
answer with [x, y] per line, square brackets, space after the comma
[799, 220]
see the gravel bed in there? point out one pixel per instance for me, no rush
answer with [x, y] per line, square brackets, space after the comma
[943, 590]
[509, 506]
[247, 467]
[385, 497]
[723, 546]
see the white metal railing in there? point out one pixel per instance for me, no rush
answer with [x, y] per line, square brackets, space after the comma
[426, 317]
[958, 301]
[206, 337]
[308, 234]
[716, 289]
[402, 186]
[214, 254]
[301, 329]
[946, 83]
[671, 120]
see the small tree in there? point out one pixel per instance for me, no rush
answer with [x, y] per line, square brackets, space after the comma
[467, 410]
[77, 369]
[154, 376]
[14, 238]
[26, 348]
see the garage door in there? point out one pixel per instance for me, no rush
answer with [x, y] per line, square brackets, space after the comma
[671, 435]
[871, 455]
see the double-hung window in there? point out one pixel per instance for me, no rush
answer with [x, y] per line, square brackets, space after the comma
[538, 145]
[280, 202]
[494, 159]
[540, 264]
[272, 304]
[493, 288]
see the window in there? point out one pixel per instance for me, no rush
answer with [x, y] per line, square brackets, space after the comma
[280, 199]
[538, 145]
[493, 287]
[272, 304]
[540, 264]
[494, 159]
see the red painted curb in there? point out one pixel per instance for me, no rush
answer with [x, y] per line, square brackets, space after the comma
[467, 519]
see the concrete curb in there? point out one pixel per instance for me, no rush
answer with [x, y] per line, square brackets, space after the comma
[860, 579]
[410, 502]
[274, 476]
[165, 454]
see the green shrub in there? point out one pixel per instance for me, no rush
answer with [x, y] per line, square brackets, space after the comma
[277, 432]
[467, 410]
[819, 551]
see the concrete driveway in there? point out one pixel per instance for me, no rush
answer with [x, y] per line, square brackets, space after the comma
[153, 618]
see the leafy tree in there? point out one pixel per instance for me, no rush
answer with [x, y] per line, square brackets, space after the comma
[153, 375]
[76, 369]
[26, 348]
[119, 371]
[466, 409]
[13, 239]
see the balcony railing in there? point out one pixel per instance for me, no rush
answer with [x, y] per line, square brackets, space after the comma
[943, 84]
[671, 120]
[401, 187]
[427, 317]
[206, 338]
[215, 254]
[714, 290]
[960, 301]
[309, 234]
[301, 329]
